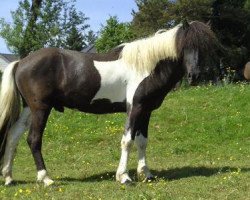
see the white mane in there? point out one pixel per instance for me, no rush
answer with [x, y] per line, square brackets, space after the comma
[143, 55]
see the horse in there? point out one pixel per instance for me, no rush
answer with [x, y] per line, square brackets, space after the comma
[247, 71]
[133, 78]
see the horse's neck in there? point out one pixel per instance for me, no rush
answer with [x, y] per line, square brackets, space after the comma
[167, 73]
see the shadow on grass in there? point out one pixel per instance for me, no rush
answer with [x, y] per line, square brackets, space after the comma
[169, 175]
[18, 182]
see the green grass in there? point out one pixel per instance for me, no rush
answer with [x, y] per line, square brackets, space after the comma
[199, 148]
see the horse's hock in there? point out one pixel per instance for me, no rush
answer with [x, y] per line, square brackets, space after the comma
[247, 71]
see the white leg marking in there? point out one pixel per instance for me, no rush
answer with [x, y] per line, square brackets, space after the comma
[8, 180]
[142, 169]
[42, 176]
[126, 144]
[12, 140]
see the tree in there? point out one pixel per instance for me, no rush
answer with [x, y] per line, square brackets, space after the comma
[151, 16]
[247, 4]
[191, 10]
[113, 34]
[74, 24]
[75, 40]
[230, 22]
[40, 23]
[90, 37]
[34, 13]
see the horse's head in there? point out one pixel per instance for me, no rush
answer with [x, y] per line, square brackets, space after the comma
[191, 63]
[195, 40]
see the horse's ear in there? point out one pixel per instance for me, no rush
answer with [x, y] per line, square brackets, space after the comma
[185, 24]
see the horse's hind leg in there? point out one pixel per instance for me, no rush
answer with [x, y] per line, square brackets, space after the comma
[38, 123]
[14, 135]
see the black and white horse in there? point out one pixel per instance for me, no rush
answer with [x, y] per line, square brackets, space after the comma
[133, 78]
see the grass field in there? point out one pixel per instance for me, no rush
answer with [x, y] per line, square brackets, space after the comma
[199, 148]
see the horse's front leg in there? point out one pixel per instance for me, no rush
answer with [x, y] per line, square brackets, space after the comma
[141, 129]
[136, 129]
[126, 144]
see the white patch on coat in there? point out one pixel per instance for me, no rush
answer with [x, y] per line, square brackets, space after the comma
[118, 82]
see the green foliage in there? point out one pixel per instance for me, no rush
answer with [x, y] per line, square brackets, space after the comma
[75, 40]
[91, 37]
[74, 25]
[192, 10]
[230, 23]
[198, 148]
[48, 25]
[113, 34]
[151, 16]
[247, 5]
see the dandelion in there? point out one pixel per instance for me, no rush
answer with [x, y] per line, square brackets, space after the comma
[123, 187]
[28, 191]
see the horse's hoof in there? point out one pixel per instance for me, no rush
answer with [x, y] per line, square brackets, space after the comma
[126, 181]
[149, 179]
[8, 181]
[124, 178]
[48, 182]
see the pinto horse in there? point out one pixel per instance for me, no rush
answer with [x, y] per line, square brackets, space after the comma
[133, 78]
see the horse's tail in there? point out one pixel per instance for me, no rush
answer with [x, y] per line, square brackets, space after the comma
[9, 105]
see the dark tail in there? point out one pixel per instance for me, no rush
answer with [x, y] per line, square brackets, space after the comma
[9, 105]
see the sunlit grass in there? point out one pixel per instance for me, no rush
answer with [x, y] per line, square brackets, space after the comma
[199, 148]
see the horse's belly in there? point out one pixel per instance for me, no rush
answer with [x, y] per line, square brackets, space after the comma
[115, 92]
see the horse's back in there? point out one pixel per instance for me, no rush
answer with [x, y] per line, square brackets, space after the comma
[247, 71]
